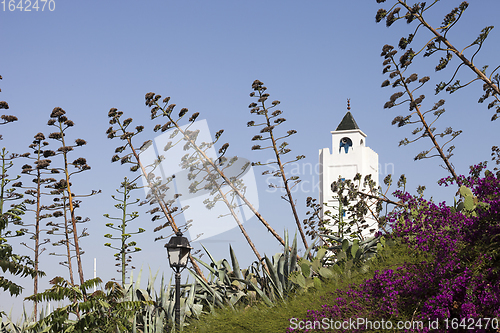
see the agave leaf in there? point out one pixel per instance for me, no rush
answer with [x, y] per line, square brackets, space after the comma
[207, 266]
[142, 295]
[281, 272]
[234, 261]
[227, 269]
[159, 321]
[196, 310]
[334, 238]
[370, 241]
[190, 300]
[138, 282]
[274, 278]
[276, 259]
[259, 292]
[286, 263]
[169, 306]
[215, 294]
[235, 297]
[358, 255]
[293, 255]
[237, 284]
[163, 296]
[134, 325]
[151, 282]
[209, 255]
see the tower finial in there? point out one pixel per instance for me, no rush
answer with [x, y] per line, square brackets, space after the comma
[348, 104]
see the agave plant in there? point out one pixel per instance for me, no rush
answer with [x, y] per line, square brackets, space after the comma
[333, 262]
[158, 313]
[229, 285]
[349, 255]
[7, 325]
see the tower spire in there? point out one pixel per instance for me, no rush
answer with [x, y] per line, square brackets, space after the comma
[348, 104]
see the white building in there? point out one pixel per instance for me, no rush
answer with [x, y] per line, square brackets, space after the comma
[349, 156]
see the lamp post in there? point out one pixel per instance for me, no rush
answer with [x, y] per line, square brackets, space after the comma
[178, 249]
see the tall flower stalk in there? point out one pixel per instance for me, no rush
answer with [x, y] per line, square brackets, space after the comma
[204, 178]
[62, 123]
[166, 110]
[119, 128]
[34, 194]
[126, 247]
[272, 121]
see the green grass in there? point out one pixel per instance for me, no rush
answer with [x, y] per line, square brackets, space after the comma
[261, 318]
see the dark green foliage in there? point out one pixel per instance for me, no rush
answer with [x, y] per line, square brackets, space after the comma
[15, 264]
[126, 247]
[102, 311]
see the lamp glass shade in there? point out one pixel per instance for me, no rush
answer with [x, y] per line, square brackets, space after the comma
[178, 251]
[184, 254]
[173, 256]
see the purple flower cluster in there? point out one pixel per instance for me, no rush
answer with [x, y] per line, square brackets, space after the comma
[460, 279]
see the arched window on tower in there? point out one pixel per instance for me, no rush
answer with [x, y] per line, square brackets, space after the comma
[345, 142]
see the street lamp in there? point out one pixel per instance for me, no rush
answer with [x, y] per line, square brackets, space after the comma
[178, 252]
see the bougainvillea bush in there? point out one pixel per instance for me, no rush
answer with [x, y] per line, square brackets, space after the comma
[456, 285]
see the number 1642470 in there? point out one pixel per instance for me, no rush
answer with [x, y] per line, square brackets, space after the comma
[28, 5]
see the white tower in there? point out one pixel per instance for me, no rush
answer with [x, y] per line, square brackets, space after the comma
[349, 156]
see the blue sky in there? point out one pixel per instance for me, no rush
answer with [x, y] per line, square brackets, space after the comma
[87, 57]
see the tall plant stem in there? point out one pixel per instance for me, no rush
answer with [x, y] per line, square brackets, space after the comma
[204, 157]
[424, 123]
[37, 235]
[3, 181]
[284, 178]
[123, 226]
[72, 211]
[163, 207]
[68, 244]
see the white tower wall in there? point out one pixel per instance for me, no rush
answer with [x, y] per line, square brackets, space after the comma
[339, 164]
